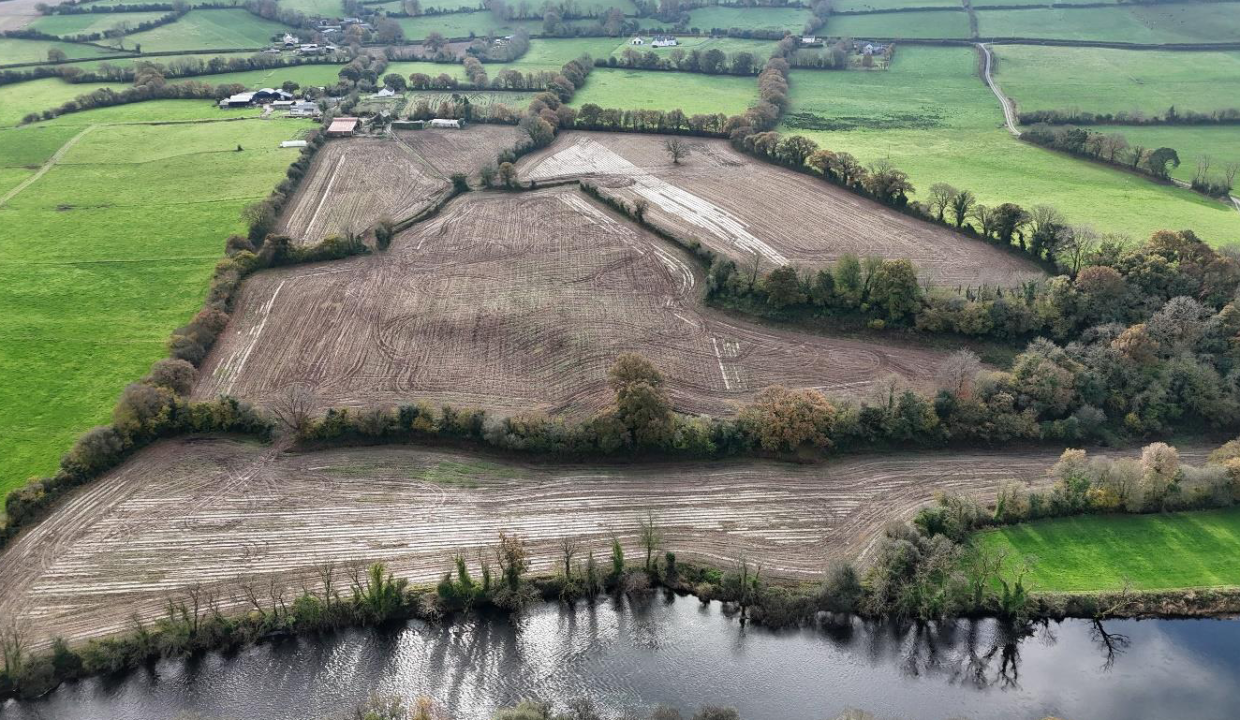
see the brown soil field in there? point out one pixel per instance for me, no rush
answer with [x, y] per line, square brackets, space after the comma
[514, 302]
[219, 512]
[354, 182]
[741, 207]
[463, 151]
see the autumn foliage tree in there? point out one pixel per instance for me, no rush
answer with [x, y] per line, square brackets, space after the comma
[780, 419]
[641, 403]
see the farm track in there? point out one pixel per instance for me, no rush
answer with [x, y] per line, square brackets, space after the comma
[747, 209]
[217, 512]
[51, 162]
[520, 302]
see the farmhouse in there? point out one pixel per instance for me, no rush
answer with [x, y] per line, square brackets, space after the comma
[664, 41]
[445, 123]
[342, 127]
[385, 93]
[637, 41]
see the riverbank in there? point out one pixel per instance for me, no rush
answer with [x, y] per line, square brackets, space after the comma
[632, 653]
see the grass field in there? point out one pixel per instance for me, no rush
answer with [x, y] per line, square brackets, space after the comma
[325, 8]
[208, 30]
[165, 60]
[434, 69]
[1151, 552]
[766, 18]
[552, 54]
[869, 5]
[464, 25]
[1220, 143]
[16, 50]
[105, 254]
[18, 99]
[1156, 24]
[1103, 80]
[83, 23]
[647, 90]
[939, 123]
[901, 25]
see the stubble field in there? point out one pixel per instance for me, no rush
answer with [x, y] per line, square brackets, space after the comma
[516, 303]
[742, 207]
[218, 514]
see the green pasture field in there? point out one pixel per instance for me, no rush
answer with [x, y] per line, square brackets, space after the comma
[765, 18]
[991, 3]
[460, 25]
[1102, 80]
[19, 99]
[304, 75]
[455, 70]
[108, 252]
[868, 5]
[693, 93]
[324, 8]
[548, 54]
[933, 25]
[209, 30]
[1220, 142]
[1149, 552]
[17, 50]
[84, 23]
[1153, 24]
[933, 118]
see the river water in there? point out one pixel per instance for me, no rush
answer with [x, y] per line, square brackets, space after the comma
[636, 654]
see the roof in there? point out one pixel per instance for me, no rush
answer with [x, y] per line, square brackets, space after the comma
[343, 125]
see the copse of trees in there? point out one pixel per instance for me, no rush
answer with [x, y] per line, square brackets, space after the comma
[1112, 148]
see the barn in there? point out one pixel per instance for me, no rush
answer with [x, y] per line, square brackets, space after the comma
[444, 123]
[342, 127]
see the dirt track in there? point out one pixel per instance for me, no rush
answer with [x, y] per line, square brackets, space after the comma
[742, 207]
[214, 511]
[517, 302]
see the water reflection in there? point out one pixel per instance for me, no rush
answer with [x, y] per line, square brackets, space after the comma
[677, 651]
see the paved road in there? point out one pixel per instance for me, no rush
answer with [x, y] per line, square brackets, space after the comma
[1009, 113]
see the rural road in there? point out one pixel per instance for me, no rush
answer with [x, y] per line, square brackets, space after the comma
[46, 166]
[1009, 114]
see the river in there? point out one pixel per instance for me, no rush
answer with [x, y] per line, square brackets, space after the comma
[635, 654]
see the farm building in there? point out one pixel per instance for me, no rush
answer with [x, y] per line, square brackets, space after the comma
[244, 99]
[637, 41]
[445, 123]
[408, 124]
[304, 109]
[293, 144]
[663, 41]
[342, 127]
[259, 97]
[385, 93]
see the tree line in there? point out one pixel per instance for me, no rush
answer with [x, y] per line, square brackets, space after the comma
[1172, 116]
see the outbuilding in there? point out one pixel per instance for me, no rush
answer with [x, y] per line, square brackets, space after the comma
[342, 127]
[445, 123]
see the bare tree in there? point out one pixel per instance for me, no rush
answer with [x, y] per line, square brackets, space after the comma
[677, 149]
[12, 647]
[294, 407]
[957, 372]
[568, 548]
[651, 537]
[1229, 174]
[941, 195]
[1080, 242]
[1203, 169]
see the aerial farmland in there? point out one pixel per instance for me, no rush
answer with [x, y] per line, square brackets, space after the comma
[857, 320]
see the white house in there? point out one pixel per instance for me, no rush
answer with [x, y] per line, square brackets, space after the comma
[385, 93]
[664, 41]
[637, 41]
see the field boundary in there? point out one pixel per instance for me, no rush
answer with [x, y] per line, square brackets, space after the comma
[56, 156]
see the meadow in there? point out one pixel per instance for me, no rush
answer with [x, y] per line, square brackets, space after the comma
[766, 18]
[209, 30]
[1101, 80]
[106, 253]
[646, 90]
[461, 25]
[1149, 552]
[1141, 24]
[548, 54]
[901, 25]
[871, 5]
[20, 99]
[83, 23]
[17, 50]
[1220, 143]
[325, 8]
[933, 118]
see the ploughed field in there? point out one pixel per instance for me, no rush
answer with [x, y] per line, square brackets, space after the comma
[743, 207]
[517, 302]
[353, 183]
[224, 514]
